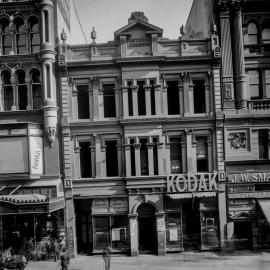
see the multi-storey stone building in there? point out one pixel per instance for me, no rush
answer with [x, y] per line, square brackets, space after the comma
[244, 31]
[140, 161]
[31, 191]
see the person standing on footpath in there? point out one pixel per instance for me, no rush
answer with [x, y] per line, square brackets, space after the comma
[107, 257]
[64, 258]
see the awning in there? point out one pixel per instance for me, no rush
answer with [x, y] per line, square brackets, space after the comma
[265, 206]
[29, 203]
[192, 195]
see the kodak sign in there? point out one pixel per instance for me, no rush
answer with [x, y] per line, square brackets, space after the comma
[192, 182]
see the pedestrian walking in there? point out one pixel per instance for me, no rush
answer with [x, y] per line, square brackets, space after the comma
[64, 258]
[107, 257]
[56, 250]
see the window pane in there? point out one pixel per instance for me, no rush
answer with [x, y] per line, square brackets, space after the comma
[85, 159]
[263, 144]
[254, 83]
[202, 160]
[199, 96]
[111, 158]
[175, 155]
[109, 100]
[144, 157]
[37, 96]
[83, 102]
[141, 99]
[252, 39]
[173, 98]
[266, 35]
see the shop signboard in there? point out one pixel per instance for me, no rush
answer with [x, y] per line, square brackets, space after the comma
[179, 183]
[173, 234]
[100, 206]
[254, 194]
[249, 177]
[36, 155]
[118, 205]
[113, 205]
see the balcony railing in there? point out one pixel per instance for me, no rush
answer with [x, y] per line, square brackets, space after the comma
[259, 104]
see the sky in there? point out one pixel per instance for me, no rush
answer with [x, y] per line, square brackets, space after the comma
[107, 16]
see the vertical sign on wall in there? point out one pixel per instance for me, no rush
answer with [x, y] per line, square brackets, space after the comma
[36, 155]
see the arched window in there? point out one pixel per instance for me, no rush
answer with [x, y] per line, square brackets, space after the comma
[36, 89]
[22, 90]
[46, 26]
[34, 35]
[20, 36]
[6, 37]
[7, 91]
[252, 34]
[266, 32]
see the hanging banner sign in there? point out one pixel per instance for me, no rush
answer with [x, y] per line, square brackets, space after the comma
[192, 182]
[249, 177]
[36, 155]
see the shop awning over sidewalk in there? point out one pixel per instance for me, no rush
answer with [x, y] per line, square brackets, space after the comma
[29, 204]
[265, 206]
[191, 195]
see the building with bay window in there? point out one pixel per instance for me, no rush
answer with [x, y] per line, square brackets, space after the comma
[31, 190]
[243, 119]
[141, 168]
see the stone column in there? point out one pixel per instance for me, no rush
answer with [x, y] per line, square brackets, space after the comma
[95, 98]
[117, 101]
[147, 89]
[157, 100]
[207, 97]
[93, 160]
[133, 225]
[186, 100]
[150, 147]
[191, 96]
[2, 105]
[166, 156]
[154, 44]
[128, 159]
[100, 100]
[103, 158]
[74, 94]
[268, 144]
[28, 84]
[165, 97]
[137, 147]
[13, 37]
[14, 93]
[181, 96]
[191, 153]
[77, 160]
[222, 211]
[119, 158]
[91, 100]
[160, 158]
[135, 99]
[98, 158]
[239, 61]
[125, 101]
[184, 156]
[161, 233]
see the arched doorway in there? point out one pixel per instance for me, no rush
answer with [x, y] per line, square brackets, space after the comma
[147, 228]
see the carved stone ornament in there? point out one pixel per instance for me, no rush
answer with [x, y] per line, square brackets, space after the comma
[51, 133]
[238, 140]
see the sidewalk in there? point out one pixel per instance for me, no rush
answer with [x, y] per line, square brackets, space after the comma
[188, 260]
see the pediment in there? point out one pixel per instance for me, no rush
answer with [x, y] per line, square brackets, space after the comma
[138, 29]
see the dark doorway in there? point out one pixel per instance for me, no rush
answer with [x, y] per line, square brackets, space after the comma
[191, 225]
[243, 234]
[147, 228]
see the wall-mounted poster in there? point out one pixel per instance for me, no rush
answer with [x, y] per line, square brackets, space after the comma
[173, 234]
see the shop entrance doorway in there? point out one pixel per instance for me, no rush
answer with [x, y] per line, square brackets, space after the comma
[243, 234]
[147, 228]
[191, 224]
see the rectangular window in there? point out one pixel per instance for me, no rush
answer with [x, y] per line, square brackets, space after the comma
[130, 103]
[132, 157]
[109, 100]
[202, 160]
[263, 144]
[199, 96]
[175, 155]
[254, 84]
[141, 98]
[144, 157]
[111, 158]
[173, 98]
[85, 159]
[14, 155]
[83, 102]
[152, 95]
[155, 156]
[267, 83]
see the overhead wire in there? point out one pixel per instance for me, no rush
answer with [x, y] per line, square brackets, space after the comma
[77, 16]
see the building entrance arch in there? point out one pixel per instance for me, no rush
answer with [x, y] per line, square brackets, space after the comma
[147, 234]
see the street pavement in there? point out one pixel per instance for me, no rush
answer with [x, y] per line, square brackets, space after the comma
[247, 260]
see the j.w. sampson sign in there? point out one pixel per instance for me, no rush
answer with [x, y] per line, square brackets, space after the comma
[192, 182]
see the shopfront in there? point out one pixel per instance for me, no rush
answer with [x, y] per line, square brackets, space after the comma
[248, 210]
[191, 212]
[101, 222]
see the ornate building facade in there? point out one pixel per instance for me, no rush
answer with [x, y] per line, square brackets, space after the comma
[32, 195]
[141, 168]
[244, 31]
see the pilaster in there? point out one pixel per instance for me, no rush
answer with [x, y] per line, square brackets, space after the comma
[135, 99]
[77, 161]
[74, 94]
[133, 225]
[157, 99]
[150, 147]
[186, 100]
[147, 89]
[137, 147]
[161, 233]
[160, 158]
[128, 159]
